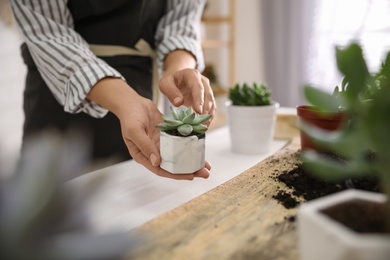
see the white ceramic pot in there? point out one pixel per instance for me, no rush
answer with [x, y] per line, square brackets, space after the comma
[182, 155]
[251, 128]
[322, 238]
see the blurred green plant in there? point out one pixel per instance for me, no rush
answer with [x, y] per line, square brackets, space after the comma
[246, 95]
[364, 142]
[41, 216]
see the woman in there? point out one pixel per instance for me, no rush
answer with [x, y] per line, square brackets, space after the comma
[90, 65]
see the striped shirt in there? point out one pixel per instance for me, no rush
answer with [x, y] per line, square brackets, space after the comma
[65, 61]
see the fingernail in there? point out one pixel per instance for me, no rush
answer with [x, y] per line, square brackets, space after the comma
[177, 100]
[153, 159]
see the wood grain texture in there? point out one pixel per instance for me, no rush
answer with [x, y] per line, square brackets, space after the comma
[237, 220]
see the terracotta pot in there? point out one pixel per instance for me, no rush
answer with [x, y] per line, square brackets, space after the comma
[329, 122]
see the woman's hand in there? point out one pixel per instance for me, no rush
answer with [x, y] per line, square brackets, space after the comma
[188, 87]
[184, 85]
[142, 139]
[138, 118]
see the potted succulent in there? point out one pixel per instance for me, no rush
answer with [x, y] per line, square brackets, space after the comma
[251, 118]
[182, 140]
[329, 112]
[329, 120]
[365, 145]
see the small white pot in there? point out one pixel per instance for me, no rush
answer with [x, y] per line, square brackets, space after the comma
[251, 128]
[182, 155]
[320, 237]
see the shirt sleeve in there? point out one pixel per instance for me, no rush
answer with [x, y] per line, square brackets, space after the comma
[62, 56]
[180, 29]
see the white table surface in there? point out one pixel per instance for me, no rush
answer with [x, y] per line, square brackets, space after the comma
[131, 195]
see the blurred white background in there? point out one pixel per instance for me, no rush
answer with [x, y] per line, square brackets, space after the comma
[283, 43]
[12, 74]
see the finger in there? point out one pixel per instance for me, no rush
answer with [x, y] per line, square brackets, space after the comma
[209, 103]
[209, 100]
[169, 88]
[195, 84]
[207, 165]
[202, 173]
[140, 158]
[146, 146]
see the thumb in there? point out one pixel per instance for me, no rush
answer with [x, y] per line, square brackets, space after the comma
[147, 147]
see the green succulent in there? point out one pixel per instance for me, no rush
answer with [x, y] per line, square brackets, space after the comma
[364, 141]
[246, 95]
[184, 121]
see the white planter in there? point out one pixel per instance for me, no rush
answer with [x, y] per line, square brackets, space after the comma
[251, 128]
[320, 237]
[182, 155]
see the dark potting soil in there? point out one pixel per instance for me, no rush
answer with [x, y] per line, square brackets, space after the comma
[305, 186]
[368, 217]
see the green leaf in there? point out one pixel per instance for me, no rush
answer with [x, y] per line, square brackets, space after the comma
[189, 118]
[377, 124]
[352, 65]
[329, 169]
[246, 95]
[185, 129]
[200, 129]
[324, 101]
[175, 113]
[164, 126]
[348, 142]
[385, 67]
[188, 111]
[200, 119]
[174, 123]
[181, 112]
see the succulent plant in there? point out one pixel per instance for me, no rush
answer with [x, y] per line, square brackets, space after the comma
[246, 95]
[184, 121]
[364, 141]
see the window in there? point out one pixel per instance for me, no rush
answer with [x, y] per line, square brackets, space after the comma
[336, 23]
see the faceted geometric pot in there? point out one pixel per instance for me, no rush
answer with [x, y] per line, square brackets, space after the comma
[322, 238]
[182, 155]
[330, 122]
[251, 128]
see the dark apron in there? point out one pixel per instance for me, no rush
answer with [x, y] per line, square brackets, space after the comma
[114, 22]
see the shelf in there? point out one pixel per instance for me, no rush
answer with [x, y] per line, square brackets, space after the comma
[215, 44]
[217, 19]
[218, 90]
[221, 27]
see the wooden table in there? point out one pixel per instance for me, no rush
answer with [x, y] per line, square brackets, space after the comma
[236, 220]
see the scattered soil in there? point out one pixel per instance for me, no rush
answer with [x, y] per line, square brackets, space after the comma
[304, 186]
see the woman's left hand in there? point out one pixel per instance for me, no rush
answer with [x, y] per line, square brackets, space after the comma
[190, 88]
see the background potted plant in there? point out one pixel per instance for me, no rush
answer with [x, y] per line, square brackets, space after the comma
[329, 120]
[182, 140]
[365, 145]
[251, 118]
[328, 111]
